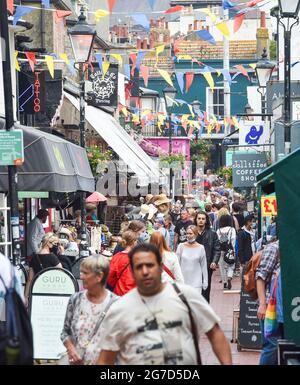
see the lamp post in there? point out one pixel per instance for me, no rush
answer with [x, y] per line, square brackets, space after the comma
[288, 9]
[264, 69]
[82, 38]
[196, 108]
[169, 95]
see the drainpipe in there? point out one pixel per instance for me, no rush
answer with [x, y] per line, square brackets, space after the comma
[43, 32]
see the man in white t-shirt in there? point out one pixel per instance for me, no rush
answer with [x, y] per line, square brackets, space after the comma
[150, 325]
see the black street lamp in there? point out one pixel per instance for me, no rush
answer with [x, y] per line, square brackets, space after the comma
[264, 69]
[169, 96]
[196, 108]
[82, 38]
[288, 9]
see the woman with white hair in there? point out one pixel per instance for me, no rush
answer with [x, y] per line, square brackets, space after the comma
[86, 311]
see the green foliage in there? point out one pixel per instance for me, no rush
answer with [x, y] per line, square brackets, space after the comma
[172, 158]
[200, 150]
[98, 158]
[226, 173]
[273, 50]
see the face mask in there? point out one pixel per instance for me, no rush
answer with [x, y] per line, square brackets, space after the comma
[191, 241]
[143, 238]
[54, 249]
[253, 226]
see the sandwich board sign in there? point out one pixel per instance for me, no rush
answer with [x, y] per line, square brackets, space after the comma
[49, 297]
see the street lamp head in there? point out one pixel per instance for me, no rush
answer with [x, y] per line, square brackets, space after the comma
[248, 109]
[82, 37]
[196, 105]
[169, 95]
[264, 69]
[289, 8]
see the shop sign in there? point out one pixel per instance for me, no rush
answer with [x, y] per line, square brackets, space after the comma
[269, 206]
[11, 148]
[245, 168]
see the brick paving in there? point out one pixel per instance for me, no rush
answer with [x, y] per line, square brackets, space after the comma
[224, 304]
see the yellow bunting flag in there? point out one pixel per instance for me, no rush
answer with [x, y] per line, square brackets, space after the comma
[100, 13]
[191, 109]
[17, 65]
[105, 66]
[218, 72]
[223, 28]
[166, 76]
[50, 64]
[161, 118]
[146, 112]
[252, 65]
[124, 111]
[184, 118]
[159, 50]
[235, 122]
[209, 80]
[118, 57]
[135, 118]
[64, 57]
[210, 14]
[184, 57]
[173, 101]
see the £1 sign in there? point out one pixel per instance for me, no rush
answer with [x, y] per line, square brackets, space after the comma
[269, 206]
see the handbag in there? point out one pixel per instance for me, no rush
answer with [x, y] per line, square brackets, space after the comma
[193, 325]
[271, 326]
[229, 257]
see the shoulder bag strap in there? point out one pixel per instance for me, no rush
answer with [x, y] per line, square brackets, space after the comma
[168, 271]
[103, 314]
[122, 271]
[193, 325]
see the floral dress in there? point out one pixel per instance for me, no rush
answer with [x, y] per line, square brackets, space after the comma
[80, 322]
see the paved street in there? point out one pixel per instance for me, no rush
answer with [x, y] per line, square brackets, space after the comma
[224, 304]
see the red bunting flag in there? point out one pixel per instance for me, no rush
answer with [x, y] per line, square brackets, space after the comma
[253, 3]
[242, 70]
[205, 118]
[145, 74]
[178, 8]
[238, 21]
[31, 58]
[189, 77]
[59, 15]
[10, 6]
[111, 4]
[133, 57]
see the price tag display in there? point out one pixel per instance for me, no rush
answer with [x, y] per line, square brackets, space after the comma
[269, 207]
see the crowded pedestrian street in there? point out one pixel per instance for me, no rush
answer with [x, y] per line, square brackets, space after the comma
[149, 178]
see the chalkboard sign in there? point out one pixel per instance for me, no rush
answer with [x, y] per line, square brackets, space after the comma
[245, 167]
[49, 297]
[249, 334]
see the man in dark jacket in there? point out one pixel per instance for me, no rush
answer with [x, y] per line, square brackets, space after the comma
[246, 241]
[209, 239]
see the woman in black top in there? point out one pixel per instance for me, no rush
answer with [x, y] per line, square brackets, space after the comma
[45, 258]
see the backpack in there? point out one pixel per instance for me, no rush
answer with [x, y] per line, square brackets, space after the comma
[16, 339]
[224, 241]
[249, 275]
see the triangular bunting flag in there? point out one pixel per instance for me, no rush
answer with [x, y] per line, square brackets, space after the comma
[189, 77]
[159, 50]
[31, 58]
[139, 59]
[175, 9]
[180, 81]
[127, 70]
[227, 76]
[227, 4]
[21, 11]
[166, 76]
[210, 14]
[50, 64]
[223, 28]
[10, 6]
[191, 109]
[152, 3]
[145, 74]
[100, 13]
[17, 65]
[98, 57]
[133, 58]
[59, 15]
[205, 35]
[111, 4]
[238, 21]
[253, 65]
[209, 80]
[242, 70]
[64, 57]
[118, 57]
[105, 66]
[46, 3]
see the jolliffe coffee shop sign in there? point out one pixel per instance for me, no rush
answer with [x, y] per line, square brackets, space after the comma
[245, 168]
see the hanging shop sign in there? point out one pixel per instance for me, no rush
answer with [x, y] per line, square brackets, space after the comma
[245, 167]
[268, 206]
[11, 148]
[49, 297]
[254, 133]
[104, 92]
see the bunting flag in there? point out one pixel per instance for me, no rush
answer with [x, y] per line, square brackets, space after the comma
[17, 65]
[46, 3]
[189, 77]
[235, 75]
[64, 57]
[235, 122]
[184, 57]
[118, 57]
[152, 3]
[205, 35]
[242, 70]
[210, 14]
[223, 28]
[100, 13]
[105, 66]
[191, 109]
[166, 76]
[141, 19]
[209, 80]
[124, 111]
[31, 58]
[145, 74]
[173, 101]
[111, 4]
[253, 65]
[180, 81]
[253, 3]
[227, 76]
[159, 50]
[197, 61]
[227, 4]
[59, 15]
[10, 6]
[139, 59]
[20, 11]
[175, 9]
[50, 64]
[238, 21]
[133, 58]
[99, 59]
[127, 70]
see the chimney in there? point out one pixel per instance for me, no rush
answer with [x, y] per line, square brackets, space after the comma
[115, 29]
[262, 37]
[157, 23]
[167, 25]
[151, 42]
[119, 30]
[152, 24]
[125, 30]
[139, 43]
[145, 43]
[195, 25]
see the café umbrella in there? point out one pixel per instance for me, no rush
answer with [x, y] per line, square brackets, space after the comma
[96, 197]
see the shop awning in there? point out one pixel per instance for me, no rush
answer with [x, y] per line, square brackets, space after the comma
[51, 164]
[121, 142]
